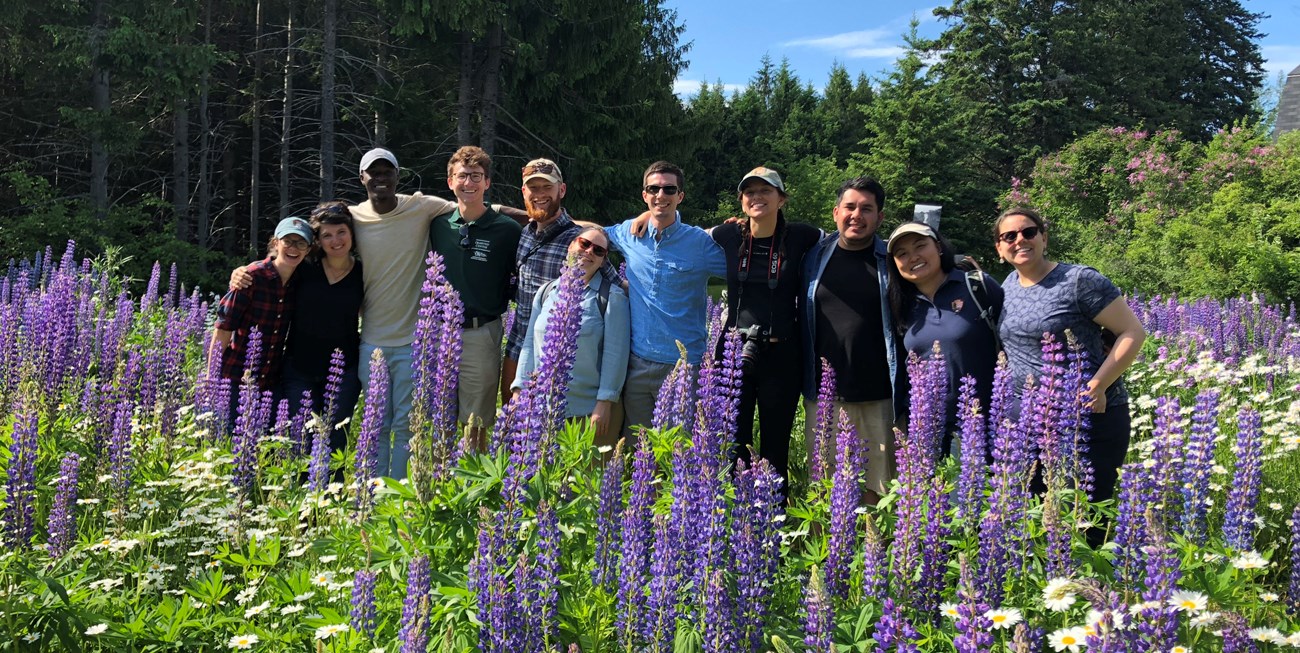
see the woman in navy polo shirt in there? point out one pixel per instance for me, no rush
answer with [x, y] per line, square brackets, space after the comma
[931, 303]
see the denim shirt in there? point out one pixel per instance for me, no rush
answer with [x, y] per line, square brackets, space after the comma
[601, 364]
[668, 273]
[814, 265]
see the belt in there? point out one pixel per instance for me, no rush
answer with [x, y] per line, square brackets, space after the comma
[476, 322]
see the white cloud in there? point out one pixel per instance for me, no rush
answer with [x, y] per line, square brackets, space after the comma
[690, 87]
[878, 43]
[1279, 59]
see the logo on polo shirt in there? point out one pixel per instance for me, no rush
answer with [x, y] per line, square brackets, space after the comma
[957, 304]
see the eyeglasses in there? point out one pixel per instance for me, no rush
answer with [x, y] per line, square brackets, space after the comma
[464, 236]
[296, 243]
[539, 169]
[1029, 233]
[668, 190]
[588, 246]
[475, 177]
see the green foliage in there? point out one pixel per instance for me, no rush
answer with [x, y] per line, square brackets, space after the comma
[1159, 213]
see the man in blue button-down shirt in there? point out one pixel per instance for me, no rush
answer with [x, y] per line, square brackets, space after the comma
[668, 270]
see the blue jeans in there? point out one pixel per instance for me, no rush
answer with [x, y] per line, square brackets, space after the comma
[295, 382]
[394, 453]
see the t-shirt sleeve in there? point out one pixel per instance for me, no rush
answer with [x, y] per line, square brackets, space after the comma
[437, 206]
[715, 259]
[233, 305]
[1094, 292]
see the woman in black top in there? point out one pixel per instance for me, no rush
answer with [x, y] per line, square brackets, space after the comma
[764, 280]
[329, 306]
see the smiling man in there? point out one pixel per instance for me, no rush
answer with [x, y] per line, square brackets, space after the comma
[478, 246]
[668, 270]
[392, 234]
[847, 322]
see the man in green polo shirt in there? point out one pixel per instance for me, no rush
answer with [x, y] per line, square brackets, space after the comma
[478, 247]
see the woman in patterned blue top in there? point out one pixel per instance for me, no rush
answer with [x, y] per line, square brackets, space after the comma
[931, 304]
[1043, 296]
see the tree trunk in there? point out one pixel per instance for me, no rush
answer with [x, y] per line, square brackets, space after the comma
[491, 91]
[286, 120]
[465, 101]
[327, 101]
[255, 155]
[181, 167]
[381, 82]
[204, 211]
[100, 103]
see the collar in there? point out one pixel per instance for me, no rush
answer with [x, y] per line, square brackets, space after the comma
[660, 234]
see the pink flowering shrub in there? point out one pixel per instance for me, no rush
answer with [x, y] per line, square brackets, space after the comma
[1160, 213]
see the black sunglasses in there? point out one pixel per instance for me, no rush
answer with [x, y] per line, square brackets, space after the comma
[668, 190]
[598, 250]
[539, 169]
[464, 236]
[1029, 233]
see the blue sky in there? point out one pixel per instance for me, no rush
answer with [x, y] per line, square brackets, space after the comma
[729, 38]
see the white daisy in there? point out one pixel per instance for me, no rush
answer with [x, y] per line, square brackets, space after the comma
[948, 610]
[97, 629]
[243, 641]
[1067, 639]
[1003, 618]
[1250, 560]
[328, 631]
[1189, 602]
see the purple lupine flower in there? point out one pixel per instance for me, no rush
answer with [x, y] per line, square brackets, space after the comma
[607, 524]
[634, 561]
[280, 428]
[1137, 491]
[917, 457]
[1239, 517]
[246, 432]
[675, 405]
[974, 628]
[845, 495]
[63, 520]
[719, 633]
[1236, 635]
[1158, 624]
[1198, 465]
[719, 398]
[1113, 632]
[973, 478]
[20, 487]
[120, 461]
[363, 603]
[333, 385]
[414, 630]
[1003, 532]
[824, 425]
[660, 624]
[874, 564]
[894, 631]
[300, 429]
[819, 608]
[150, 296]
[545, 579]
[1293, 590]
[366, 462]
[756, 546]
[436, 356]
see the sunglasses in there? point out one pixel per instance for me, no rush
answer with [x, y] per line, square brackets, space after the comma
[668, 190]
[588, 246]
[464, 236]
[1029, 233]
[539, 169]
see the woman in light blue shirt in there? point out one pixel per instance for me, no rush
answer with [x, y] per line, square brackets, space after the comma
[604, 339]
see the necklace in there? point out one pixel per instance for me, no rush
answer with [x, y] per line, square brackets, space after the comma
[334, 276]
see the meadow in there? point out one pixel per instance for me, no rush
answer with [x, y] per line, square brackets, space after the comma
[137, 519]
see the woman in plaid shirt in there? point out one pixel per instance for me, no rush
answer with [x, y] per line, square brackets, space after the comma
[267, 304]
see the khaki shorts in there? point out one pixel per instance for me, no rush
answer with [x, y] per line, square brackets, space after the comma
[874, 421]
[480, 373]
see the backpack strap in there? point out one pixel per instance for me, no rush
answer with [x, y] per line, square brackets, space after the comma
[980, 294]
[602, 295]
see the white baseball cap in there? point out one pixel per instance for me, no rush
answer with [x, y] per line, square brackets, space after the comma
[378, 154]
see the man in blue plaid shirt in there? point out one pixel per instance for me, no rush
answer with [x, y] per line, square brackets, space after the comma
[543, 250]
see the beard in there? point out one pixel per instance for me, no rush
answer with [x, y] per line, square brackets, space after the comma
[536, 214]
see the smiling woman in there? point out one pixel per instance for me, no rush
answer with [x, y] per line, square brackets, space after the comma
[266, 305]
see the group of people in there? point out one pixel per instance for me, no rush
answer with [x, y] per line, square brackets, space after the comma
[796, 296]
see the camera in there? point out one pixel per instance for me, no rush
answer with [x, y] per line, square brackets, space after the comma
[755, 338]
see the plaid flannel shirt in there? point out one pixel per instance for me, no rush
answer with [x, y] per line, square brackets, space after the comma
[266, 304]
[537, 264]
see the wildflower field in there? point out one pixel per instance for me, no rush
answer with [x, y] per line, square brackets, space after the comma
[135, 519]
